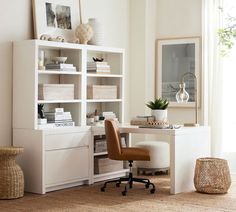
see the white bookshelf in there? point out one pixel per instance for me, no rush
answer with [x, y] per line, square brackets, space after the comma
[61, 157]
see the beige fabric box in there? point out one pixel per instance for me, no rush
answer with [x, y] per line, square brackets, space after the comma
[55, 91]
[102, 92]
[104, 165]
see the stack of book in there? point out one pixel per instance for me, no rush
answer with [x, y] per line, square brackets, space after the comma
[59, 118]
[99, 67]
[60, 67]
[141, 120]
[109, 115]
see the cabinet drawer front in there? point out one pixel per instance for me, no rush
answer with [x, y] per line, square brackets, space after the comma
[66, 165]
[66, 140]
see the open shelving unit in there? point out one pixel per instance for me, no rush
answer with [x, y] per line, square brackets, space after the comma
[50, 150]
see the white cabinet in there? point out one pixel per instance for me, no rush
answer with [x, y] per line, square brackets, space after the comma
[61, 157]
[50, 165]
[66, 165]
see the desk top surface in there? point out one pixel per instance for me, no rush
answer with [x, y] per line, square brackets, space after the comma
[127, 128]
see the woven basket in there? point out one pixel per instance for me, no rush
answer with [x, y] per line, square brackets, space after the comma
[11, 175]
[212, 176]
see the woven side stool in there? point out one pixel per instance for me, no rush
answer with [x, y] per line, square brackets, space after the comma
[212, 176]
[11, 175]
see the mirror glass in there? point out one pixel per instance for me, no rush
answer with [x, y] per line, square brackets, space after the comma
[177, 57]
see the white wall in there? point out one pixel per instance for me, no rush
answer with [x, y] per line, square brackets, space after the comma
[150, 20]
[181, 18]
[16, 24]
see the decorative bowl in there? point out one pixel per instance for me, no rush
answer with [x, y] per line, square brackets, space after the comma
[59, 59]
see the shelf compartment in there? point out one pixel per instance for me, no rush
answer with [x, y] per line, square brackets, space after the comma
[113, 59]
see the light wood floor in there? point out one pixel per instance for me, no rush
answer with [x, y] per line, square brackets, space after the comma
[89, 198]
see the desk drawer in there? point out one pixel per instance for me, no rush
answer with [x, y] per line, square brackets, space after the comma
[66, 165]
[66, 140]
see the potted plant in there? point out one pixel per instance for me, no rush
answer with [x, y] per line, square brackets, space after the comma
[227, 34]
[159, 109]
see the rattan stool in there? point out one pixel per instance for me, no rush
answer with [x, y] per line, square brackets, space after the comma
[11, 175]
[212, 176]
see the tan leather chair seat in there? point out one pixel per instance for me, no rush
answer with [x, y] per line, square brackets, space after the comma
[135, 154]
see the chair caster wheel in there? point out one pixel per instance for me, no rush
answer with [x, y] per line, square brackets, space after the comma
[152, 191]
[103, 189]
[117, 184]
[147, 185]
[124, 193]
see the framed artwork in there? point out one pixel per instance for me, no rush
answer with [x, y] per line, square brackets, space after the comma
[56, 18]
[175, 58]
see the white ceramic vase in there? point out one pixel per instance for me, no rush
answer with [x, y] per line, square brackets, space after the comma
[84, 32]
[97, 38]
[160, 115]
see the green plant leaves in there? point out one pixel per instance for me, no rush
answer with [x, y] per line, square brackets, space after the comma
[158, 104]
[227, 34]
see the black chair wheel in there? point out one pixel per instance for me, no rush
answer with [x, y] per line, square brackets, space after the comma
[124, 193]
[103, 189]
[117, 184]
[152, 191]
[147, 185]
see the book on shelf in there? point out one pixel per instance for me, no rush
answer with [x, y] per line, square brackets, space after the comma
[56, 125]
[96, 64]
[109, 115]
[59, 109]
[98, 67]
[42, 121]
[60, 121]
[61, 67]
[58, 117]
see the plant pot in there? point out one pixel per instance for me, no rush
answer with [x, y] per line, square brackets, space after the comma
[160, 115]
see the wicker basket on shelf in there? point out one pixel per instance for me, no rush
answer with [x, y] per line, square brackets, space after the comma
[11, 175]
[212, 175]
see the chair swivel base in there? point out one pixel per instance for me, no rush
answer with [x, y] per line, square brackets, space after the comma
[130, 180]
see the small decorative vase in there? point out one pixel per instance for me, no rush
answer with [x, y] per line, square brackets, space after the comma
[84, 32]
[160, 115]
[97, 38]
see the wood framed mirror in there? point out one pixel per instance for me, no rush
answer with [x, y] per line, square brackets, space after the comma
[175, 58]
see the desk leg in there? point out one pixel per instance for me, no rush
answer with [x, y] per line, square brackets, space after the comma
[184, 150]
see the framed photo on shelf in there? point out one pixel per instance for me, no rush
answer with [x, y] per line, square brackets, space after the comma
[55, 18]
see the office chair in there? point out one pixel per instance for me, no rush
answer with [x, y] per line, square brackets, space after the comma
[130, 154]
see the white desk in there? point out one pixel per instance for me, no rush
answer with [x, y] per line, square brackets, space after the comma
[186, 145]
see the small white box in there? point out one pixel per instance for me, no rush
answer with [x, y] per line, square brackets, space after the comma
[56, 91]
[102, 92]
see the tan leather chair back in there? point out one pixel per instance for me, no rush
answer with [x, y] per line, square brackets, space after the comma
[113, 140]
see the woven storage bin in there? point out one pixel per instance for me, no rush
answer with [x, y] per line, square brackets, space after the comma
[102, 92]
[212, 175]
[56, 91]
[105, 165]
[11, 175]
